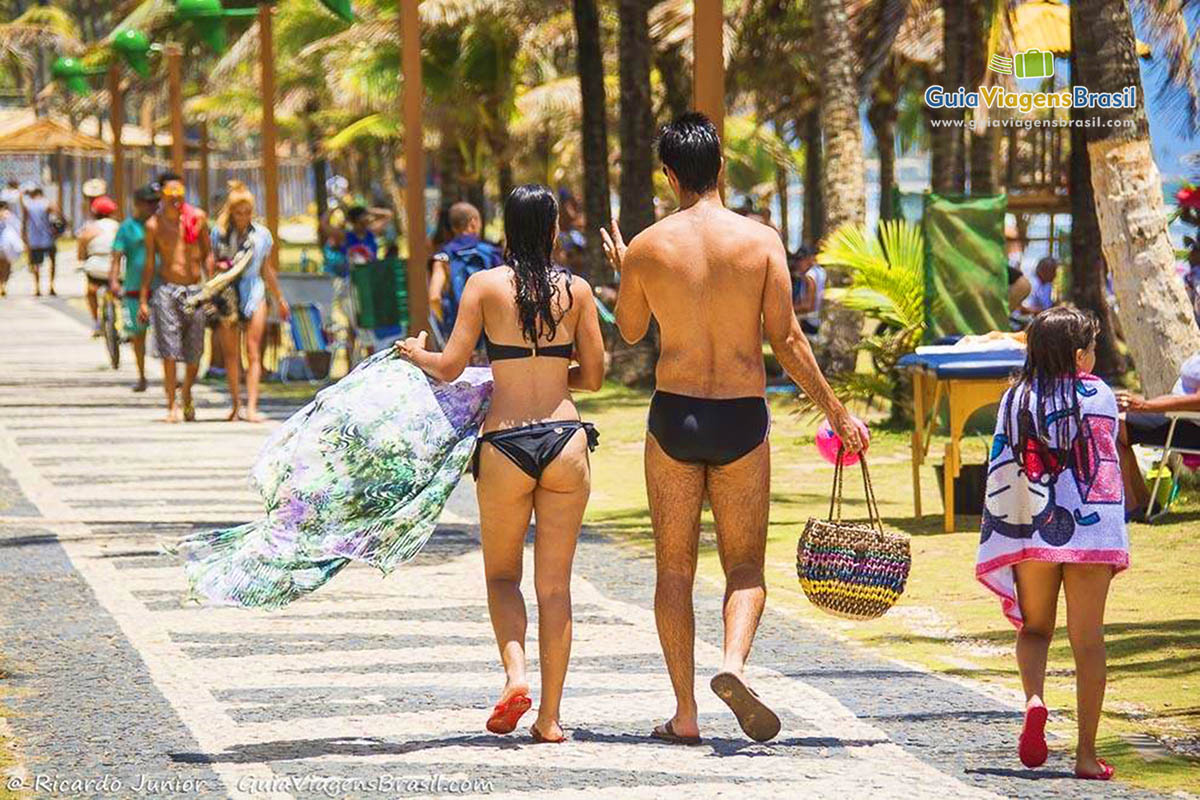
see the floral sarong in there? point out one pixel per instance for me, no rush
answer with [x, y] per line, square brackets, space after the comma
[359, 474]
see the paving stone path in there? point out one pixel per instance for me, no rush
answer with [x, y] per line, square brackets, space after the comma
[373, 687]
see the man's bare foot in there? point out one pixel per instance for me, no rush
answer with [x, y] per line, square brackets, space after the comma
[254, 416]
[234, 415]
[173, 415]
[681, 728]
[140, 386]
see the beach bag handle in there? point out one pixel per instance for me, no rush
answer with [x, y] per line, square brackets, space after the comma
[835, 499]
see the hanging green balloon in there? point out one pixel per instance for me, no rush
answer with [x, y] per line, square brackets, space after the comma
[134, 47]
[340, 8]
[72, 73]
[207, 18]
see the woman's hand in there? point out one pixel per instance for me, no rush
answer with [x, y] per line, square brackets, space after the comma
[1127, 401]
[411, 348]
[614, 246]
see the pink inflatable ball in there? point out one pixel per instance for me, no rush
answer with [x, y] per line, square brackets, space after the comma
[828, 442]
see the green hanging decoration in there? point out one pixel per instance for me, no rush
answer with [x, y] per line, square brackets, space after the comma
[73, 74]
[207, 17]
[134, 47]
[340, 8]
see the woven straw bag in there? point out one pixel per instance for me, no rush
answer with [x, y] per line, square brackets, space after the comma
[851, 569]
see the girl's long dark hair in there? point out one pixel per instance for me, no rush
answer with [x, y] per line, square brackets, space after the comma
[1052, 339]
[530, 217]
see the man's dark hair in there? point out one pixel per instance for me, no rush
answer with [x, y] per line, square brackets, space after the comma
[166, 177]
[690, 147]
[355, 213]
[803, 252]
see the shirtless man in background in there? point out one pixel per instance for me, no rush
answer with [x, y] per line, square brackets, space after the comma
[177, 255]
[715, 281]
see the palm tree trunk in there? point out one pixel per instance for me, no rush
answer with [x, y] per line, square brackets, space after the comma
[320, 163]
[882, 116]
[590, 68]
[814, 206]
[1153, 307]
[677, 80]
[634, 365]
[782, 178]
[1088, 270]
[947, 149]
[983, 141]
[844, 190]
[637, 119]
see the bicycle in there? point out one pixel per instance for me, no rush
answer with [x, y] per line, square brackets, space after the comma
[109, 322]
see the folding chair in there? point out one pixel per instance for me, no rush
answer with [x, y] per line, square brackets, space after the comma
[1168, 449]
[313, 352]
[380, 303]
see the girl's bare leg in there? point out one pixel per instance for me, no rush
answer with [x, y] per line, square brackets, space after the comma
[560, 501]
[228, 334]
[1086, 587]
[255, 329]
[1037, 595]
[505, 496]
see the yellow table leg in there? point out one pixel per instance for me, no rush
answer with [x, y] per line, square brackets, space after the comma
[918, 448]
[949, 468]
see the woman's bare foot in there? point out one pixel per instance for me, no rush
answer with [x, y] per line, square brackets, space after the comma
[1092, 768]
[512, 688]
[547, 731]
[254, 416]
[173, 415]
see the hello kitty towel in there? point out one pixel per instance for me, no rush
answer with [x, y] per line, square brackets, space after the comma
[1054, 488]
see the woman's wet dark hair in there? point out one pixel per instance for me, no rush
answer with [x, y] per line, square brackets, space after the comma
[530, 218]
[1052, 339]
[691, 148]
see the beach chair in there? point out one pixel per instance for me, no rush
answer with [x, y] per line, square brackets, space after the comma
[380, 304]
[313, 354]
[1168, 449]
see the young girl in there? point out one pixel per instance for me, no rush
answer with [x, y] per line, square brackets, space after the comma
[1054, 516]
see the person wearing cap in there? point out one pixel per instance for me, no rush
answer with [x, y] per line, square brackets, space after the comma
[94, 251]
[129, 252]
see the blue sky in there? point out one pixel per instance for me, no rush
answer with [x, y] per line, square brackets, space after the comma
[1171, 143]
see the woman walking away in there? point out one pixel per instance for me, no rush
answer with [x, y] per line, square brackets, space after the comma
[533, 451]
[1054, 517]
[242, 305]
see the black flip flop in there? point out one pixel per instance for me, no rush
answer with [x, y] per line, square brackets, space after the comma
[666, 733]
[759, 722]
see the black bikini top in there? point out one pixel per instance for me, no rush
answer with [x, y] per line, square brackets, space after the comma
[500, 352]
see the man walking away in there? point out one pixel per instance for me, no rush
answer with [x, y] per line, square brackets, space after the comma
[129, 251]
[40, 236]
[458, 260]
[714, 281]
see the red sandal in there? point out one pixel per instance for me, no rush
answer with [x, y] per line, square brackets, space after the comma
[1032, 745]
[508, 712]
[1105, 774]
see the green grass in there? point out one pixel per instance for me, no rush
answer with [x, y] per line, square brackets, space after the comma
[946, 621]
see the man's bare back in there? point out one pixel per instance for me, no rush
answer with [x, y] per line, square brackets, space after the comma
[702, 271]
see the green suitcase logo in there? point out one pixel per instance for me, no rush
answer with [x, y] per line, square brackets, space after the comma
[1034, 64]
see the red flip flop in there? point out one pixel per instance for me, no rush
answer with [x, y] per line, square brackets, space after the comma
[507, 713]
[1105, 774]
[1032, 745]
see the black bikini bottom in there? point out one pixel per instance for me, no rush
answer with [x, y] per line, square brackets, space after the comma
[699, 430]
[533, 447]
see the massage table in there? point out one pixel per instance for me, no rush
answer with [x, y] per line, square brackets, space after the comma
[968, 379]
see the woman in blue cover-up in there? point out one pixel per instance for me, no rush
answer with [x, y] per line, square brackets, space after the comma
[533, 452]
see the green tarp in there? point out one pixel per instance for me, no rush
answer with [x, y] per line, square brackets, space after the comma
[381, 292]
[966, 270]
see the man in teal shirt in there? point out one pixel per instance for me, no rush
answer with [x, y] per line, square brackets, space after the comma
[130, 246]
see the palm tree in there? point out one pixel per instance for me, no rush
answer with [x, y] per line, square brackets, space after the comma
[1157, 319]
[590, 69]
[637, 119]
[25, 42]
[844, 191]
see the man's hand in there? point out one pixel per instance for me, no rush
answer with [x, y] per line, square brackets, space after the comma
[411, 347]
[614, 246]
[144, 313]
[847, 430]
[1127, 401]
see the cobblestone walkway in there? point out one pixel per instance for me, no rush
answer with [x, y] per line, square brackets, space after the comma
[380, 687]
